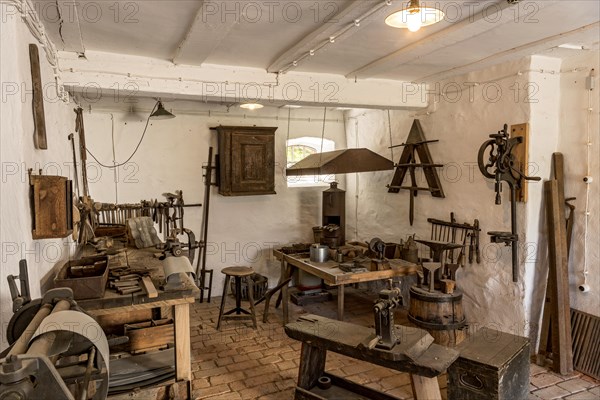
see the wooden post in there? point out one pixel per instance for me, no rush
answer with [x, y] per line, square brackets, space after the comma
[183, 370]
[340, 305]
[558, 279]
[425, 388]
[312, 365]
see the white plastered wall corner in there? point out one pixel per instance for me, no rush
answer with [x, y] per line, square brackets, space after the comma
[17, 154]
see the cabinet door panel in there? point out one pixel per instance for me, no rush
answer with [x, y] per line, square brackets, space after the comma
[247, 156]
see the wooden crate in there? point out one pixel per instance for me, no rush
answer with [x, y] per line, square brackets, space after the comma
[492, 365]
[150, 335]
[51, 206]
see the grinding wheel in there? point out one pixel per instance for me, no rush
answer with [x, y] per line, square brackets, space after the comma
[20, 320]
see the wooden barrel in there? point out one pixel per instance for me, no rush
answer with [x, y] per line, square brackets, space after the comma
[439, 314]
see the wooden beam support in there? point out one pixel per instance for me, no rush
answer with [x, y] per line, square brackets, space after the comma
[123, 77]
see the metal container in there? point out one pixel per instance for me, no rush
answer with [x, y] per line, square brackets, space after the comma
[319, 253]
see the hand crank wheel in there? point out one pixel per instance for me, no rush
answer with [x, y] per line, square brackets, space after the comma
[483, 166]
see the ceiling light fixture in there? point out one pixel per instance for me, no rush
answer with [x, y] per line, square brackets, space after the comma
[572, 46]
[414, 16]
[161, 113]
[251, 106]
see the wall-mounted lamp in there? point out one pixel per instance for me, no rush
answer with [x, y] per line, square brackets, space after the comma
[414, 16]
[161, 113]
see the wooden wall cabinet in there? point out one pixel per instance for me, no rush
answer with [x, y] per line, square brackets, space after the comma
[51, 206]
[246, 160]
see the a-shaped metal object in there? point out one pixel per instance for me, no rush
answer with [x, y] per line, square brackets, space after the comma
[384, 317]
[502, 165]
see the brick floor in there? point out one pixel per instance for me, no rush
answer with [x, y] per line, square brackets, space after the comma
[242, 363]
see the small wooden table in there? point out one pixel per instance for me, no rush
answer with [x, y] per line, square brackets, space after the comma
[179, 302]
[332, 275]
[415, 354]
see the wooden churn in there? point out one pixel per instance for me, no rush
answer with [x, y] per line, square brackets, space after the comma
[438, 313]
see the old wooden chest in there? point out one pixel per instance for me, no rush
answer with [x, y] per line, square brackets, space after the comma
[492, 365]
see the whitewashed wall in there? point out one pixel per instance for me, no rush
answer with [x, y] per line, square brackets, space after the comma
[511, 93]
[17, 154]
[242, 230]
[574, 126]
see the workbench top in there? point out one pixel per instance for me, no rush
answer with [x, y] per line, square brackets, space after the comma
[330, 272]
[145, 260]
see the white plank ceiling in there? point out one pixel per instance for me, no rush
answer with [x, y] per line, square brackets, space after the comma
[270, 35]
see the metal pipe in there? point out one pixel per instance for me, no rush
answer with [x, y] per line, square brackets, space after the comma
[513, 225]
[20, 345]
[43, 344]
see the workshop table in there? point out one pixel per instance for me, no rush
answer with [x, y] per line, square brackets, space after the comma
[177, 301]
[416, 354]
[332, 275]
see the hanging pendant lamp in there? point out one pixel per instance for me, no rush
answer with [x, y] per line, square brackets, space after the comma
[161, 113]
[414, 16]
[343, 161]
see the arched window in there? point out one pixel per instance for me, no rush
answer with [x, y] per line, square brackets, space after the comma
[300, 148]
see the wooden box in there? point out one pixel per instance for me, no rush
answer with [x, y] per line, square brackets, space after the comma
[492, 365]
[51, 206]
[87, 277]
[246, 162]
[150, 335]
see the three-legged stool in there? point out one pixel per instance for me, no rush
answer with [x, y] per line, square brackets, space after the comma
[238, 273]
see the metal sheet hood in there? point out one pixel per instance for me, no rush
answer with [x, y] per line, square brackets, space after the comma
[340, 162]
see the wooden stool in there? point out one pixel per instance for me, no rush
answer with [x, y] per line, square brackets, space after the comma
[238, 273]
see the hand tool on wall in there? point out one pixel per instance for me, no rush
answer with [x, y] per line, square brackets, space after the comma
[471, 247]
[39, 118]
[416, 144]
[201, 272]
[501, 165]
[75, 175]
[446, 231]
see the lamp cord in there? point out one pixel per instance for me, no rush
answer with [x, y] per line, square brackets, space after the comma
[134, 151]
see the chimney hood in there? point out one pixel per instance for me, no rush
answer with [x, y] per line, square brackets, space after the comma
[340, 162]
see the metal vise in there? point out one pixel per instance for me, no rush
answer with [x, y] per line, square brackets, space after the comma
[384, 317]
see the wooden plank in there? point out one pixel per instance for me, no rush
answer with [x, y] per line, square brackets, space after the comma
[39, 137]
[147, 335]
[425, 388]
[521, 153]
[312, 365]
[149, 287]
[560, 318]
[183, 368]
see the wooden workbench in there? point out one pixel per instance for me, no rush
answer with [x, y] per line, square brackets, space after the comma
[177, 302]
[332, 275]
[415, 354]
